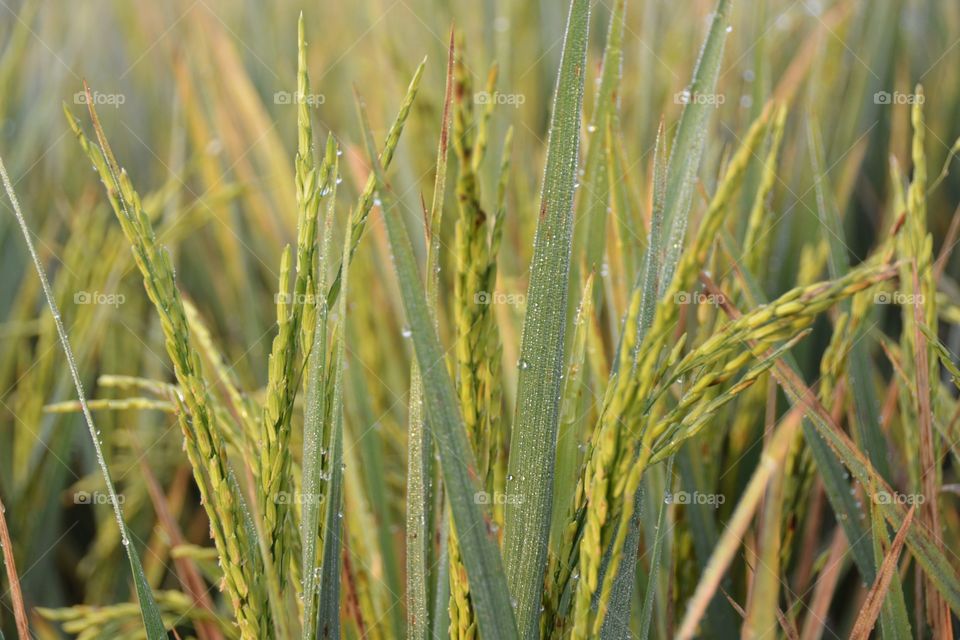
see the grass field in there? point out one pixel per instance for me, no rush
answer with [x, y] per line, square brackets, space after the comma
[419, 319]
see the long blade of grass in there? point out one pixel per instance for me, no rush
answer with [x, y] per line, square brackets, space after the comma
[571, 415]
[152, 622]
[488, 585]
[13, 579]
[533, 443]
[877, 595]
[594, 192]
[419, 443]
[316, 415]
[894, 617]
[690, 139]
[315, 408]
[838, 263]
[329, 609]
[646, 614]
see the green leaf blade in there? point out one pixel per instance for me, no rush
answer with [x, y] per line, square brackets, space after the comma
[530, 470]
[488, 584]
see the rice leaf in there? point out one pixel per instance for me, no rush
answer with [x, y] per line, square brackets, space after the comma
[594, 192]
[316, 414]
[488, 586]
[328, 613]
[533, 443]
[894, 616]
[419, 444]
[646, 615]
[877, 595]
[152, 622]
[690, 139]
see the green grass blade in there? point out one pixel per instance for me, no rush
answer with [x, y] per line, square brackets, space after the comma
[329, 610]
[571, 417]
[690, 140]
[315, 417]
[893, 617]
[419, 444]
[533, 442]
[152, 622]
[868, 414]
[488, 585]
[440, 621]
[647, 291]
[646, 615]
[594, 192]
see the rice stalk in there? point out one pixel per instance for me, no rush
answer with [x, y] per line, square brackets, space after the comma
[204, 444]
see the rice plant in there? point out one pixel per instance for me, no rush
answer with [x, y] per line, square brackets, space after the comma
[617, 320]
